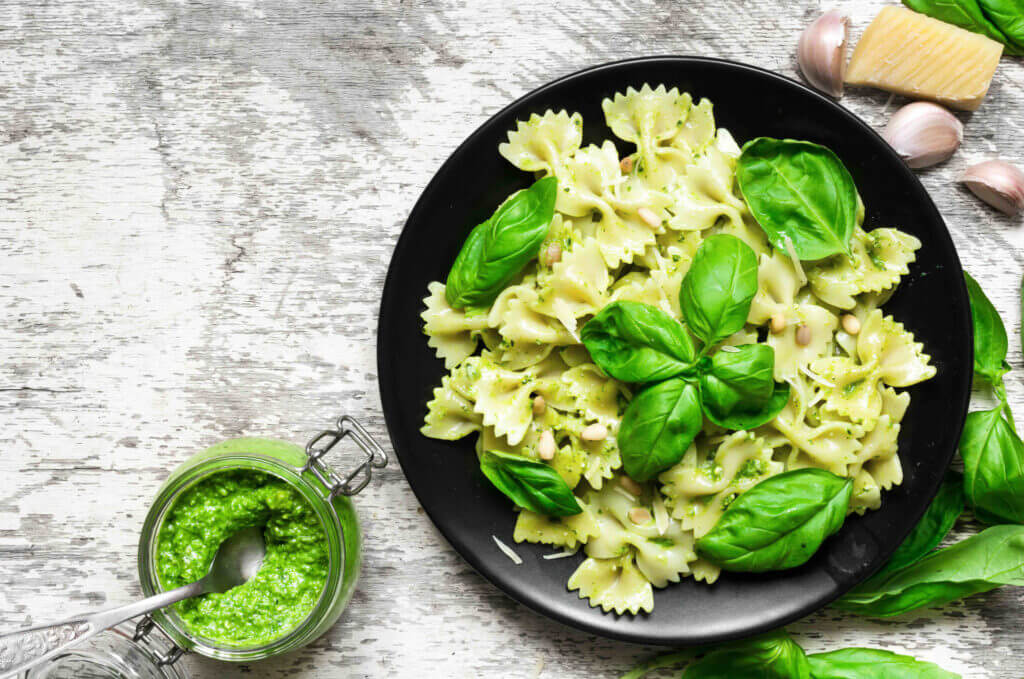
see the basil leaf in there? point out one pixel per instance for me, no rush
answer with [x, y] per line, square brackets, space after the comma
[965, 14]
[1008, 17]
[530, 484]
[741, 378]
[990, 340]
[658, 426]
[770, 656]
[779, 523]
[800, 190]
[993, 467]
[716, 292]
[497, 250]
[982, 562]
[636, 342]
[936, 523]
[873, 663]
[739, 420]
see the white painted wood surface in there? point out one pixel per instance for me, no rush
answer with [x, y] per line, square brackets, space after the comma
[198, 201]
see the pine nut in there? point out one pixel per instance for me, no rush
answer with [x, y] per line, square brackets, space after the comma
[546, 445]
[648, 216]
[626, 165]
[639, 515]
[552, 254]
[594, 432]
[777, 323]
[850, 324]
[539, 405]
[803, 335]
[631, 486]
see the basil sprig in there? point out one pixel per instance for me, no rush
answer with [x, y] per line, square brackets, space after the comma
[800, 191]
[982, 562]
[1000, 20]
[639, 343]
[779, 523]
[776, 655]
[873, 663]
[636, 342]
[938, 520]
[530, 484]
[992, 451]
[658, 427]
[497, 250]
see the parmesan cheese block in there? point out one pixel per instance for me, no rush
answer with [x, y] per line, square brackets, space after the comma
[924, 58]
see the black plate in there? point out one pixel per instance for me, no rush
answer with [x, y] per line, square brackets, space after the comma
[931, 302]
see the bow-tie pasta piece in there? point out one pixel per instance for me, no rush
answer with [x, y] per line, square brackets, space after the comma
[542, 143]
[450, 332]
[880, 257]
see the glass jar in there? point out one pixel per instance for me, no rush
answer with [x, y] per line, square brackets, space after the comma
[123, 652]
[325, 492]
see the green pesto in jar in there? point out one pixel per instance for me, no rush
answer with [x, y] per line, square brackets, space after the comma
[294, 570]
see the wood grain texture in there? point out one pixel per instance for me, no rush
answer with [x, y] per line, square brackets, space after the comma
[198, 201]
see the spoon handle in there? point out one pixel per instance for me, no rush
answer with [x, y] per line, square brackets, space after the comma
[25, 648]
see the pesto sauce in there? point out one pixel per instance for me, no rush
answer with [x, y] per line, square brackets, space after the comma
[292, 576]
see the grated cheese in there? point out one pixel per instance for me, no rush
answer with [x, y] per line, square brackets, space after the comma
[660, 514]
[622, 491]
[816, 377]
[728, 347]
[791, 251]
[507, 550]
[561, 555]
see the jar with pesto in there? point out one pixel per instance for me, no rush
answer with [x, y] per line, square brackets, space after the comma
[310, 529]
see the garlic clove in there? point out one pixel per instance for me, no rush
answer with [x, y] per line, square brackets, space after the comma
[821, 52]
[924, 133]
[998, 183]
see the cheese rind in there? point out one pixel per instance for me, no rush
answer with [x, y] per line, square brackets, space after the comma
[924, 58]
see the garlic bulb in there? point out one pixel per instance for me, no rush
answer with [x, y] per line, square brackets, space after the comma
[924, 133]
[821, 53]
[998, 183]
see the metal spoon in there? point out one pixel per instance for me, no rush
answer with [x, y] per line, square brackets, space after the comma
[238, 559]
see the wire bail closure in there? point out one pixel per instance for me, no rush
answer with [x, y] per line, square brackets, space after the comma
[359, 477]
[143, 628]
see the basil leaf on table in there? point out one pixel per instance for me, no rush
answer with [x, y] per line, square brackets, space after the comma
[799, 190]
[530, 484]
[873, 663]
[740, 420]
[1008, 17]
[990, 340]
[982, 562]
[497, 250]
[636, 342]
[717, 290]
[936, 523]
[779, 523]
[739, 378]
[658, 426]
[769, 656]
[993, 457]
[965, 14]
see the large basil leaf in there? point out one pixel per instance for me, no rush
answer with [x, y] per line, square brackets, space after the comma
[779, 523]
[990, 341]
[936, 523]
[636, 342]
[658, 426]
[497, 250]
[993, 467]
[873, 663]
[982, 562]
[717, 290]
[739, 420]
[1008, 17]
[740, 378]
[965, 14]
[770, 656]
[530, 484]
[799, 190]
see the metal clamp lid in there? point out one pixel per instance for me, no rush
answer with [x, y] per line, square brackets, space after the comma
[359, 477]
[146, 625]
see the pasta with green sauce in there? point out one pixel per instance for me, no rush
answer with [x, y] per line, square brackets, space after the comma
[627, 229]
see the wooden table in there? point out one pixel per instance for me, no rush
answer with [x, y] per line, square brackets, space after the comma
[198, 202]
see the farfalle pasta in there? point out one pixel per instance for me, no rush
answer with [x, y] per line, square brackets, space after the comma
[625, 229]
